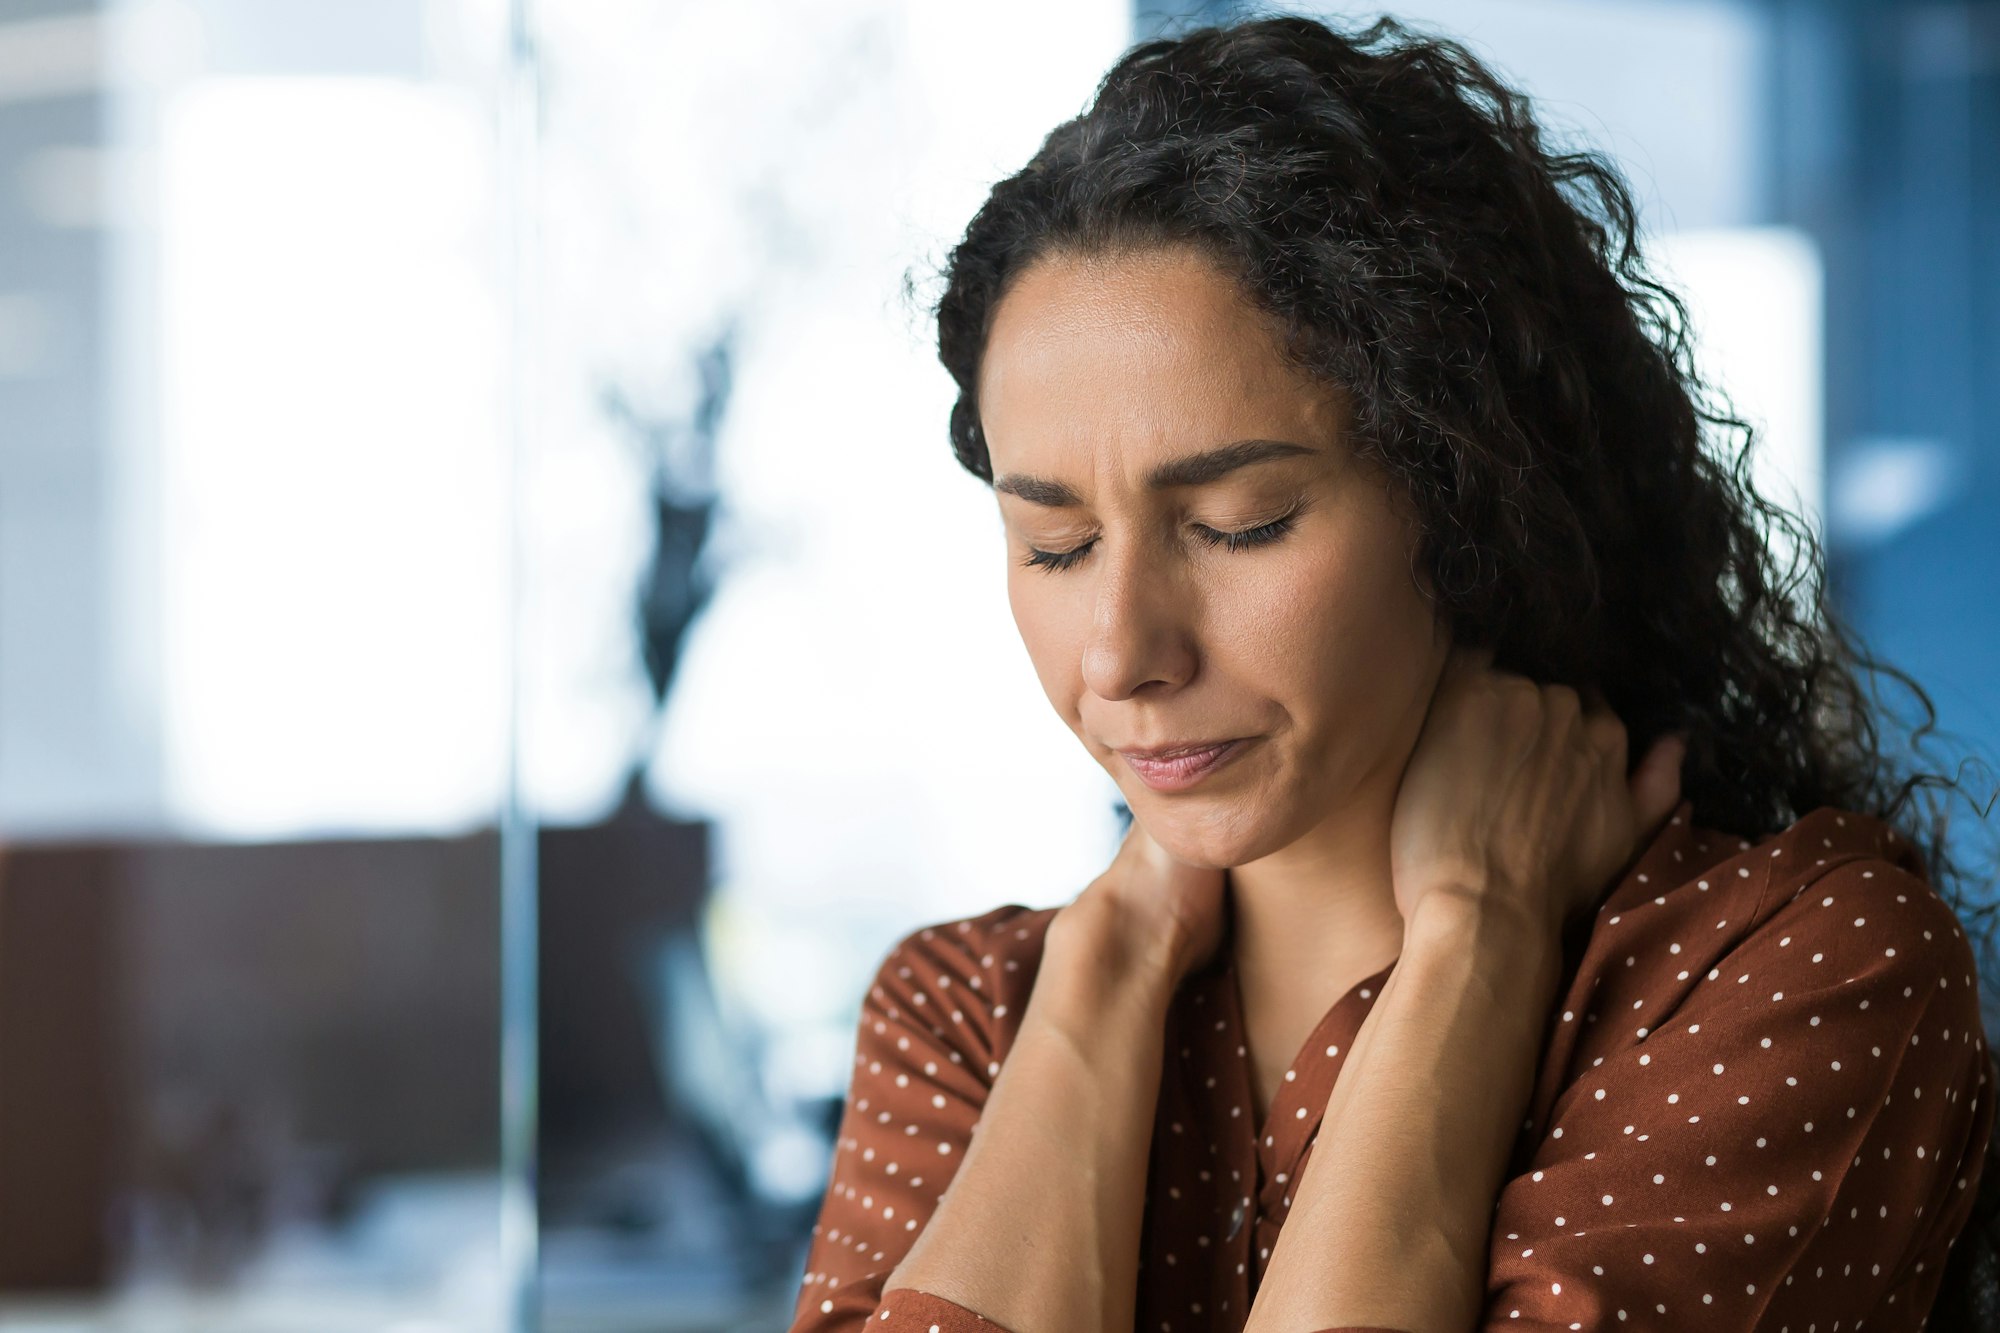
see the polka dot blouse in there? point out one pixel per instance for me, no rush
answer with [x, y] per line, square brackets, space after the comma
[1761, 1103]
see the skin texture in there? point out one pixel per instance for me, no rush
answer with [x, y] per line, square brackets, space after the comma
[1323, 644]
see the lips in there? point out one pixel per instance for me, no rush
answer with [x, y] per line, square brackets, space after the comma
[1173, 750]
[1178, 767]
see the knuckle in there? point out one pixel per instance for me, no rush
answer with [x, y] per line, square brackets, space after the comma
[1522, 699]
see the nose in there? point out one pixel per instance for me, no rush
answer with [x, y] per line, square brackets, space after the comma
[1140, 627]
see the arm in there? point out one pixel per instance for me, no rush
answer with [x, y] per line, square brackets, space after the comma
[1038, 1227]
[1040, 1230]
[1389, 1224]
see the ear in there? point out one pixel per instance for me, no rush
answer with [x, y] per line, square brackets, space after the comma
[1656, 784]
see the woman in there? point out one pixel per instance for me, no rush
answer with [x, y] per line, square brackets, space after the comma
[1356, 510]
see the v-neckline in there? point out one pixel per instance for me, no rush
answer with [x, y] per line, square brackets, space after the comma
[1299, 1100]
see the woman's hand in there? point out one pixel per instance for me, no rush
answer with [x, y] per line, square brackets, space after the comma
[1170, 913]
[1516, 793]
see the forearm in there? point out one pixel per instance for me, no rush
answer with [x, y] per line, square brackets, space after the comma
[1039, 1229]
[1389, 1224]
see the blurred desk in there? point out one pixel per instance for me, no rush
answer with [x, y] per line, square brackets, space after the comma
[344, 1312]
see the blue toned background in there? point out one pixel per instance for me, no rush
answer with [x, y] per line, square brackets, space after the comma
[491, 629]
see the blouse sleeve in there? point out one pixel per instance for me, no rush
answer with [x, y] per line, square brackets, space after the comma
[924, 1061]
[1798, 1140]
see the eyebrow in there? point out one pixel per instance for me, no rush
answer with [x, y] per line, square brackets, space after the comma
[1193, 470]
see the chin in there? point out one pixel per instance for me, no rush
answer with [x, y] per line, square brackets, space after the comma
[1215, 839]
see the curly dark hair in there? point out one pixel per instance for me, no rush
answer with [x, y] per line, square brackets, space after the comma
[1512, 364]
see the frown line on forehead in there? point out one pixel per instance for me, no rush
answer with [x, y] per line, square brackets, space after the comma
[1176, 473]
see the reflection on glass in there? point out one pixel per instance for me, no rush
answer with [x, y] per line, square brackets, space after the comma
[253, 730]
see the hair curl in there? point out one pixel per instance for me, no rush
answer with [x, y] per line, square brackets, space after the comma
[1512, 363]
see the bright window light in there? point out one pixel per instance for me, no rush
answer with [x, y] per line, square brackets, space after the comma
[333, 567]
[1754, 298]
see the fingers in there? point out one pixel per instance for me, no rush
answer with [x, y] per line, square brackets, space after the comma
[1475, 657]
[1608, 738]
[1605, 727]
[1654, 787]
[1467, 659]
[1656, 783]
[1463, 667]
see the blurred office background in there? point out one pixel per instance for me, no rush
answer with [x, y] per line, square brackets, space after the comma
[494, 645]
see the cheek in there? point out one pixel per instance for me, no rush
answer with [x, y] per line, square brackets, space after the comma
[1052, 639]
[1280, 621]
[1328, 634]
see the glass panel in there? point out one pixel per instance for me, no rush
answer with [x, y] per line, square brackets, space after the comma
[254, 704]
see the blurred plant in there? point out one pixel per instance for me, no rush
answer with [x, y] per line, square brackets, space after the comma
[676, 583]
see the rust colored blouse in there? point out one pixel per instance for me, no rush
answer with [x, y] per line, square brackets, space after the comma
[1761, 1103]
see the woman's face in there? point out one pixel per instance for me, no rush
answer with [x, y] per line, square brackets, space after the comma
[1312, 643]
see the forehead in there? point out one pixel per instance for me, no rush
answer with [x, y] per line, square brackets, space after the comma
[1152, 351]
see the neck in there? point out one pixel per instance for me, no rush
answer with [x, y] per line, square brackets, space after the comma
[1310, 920]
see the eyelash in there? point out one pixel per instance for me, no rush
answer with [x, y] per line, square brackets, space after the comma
[1261, 535]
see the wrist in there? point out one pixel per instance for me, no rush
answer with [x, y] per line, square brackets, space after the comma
[1522, 943]
[1094, 987]
[1103, 931]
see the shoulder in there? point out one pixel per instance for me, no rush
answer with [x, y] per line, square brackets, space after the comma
[1767, 1039]
[1724, 932]
[1845, 885]
[1851, 883]
[940, 954]
[964, 981]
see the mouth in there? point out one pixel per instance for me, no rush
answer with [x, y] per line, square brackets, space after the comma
[1178, 767]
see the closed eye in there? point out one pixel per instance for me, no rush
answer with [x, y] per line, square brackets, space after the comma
[1257, 536]
[1054, 560]
[1261, 535]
